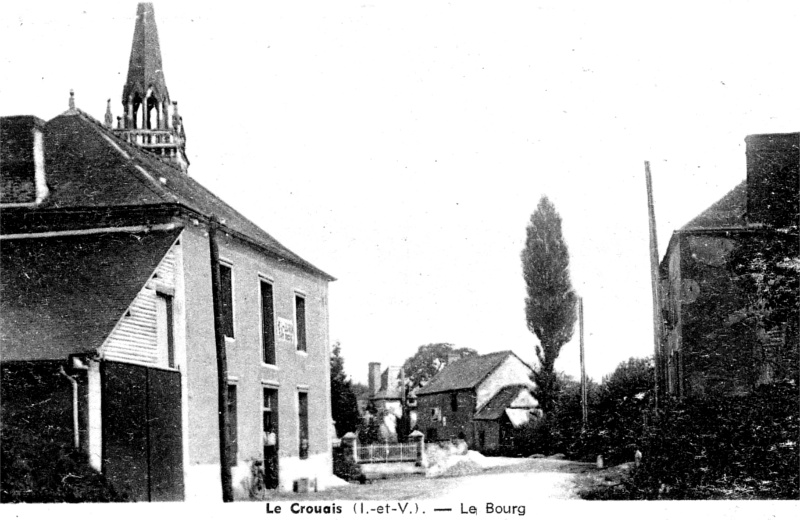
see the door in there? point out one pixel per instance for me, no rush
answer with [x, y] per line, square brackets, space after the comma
[142, 435]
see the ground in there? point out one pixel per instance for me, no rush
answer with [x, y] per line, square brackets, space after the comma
[500, 481]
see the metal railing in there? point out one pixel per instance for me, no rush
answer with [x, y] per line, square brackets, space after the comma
[404, 452]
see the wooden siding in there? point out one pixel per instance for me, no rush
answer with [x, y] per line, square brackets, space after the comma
[135, 337]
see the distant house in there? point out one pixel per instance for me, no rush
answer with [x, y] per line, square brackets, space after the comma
[477, 399]
[711, 343]
[388, 396]
[107, 306]
[508, 410]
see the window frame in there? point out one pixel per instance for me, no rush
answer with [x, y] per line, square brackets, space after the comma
[272, 409]
[300, 336]
[262, 280]
[232, 451]
[231, 316]
[169, 324]
[303, 424]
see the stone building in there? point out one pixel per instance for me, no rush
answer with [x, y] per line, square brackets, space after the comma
[107, 308]
[473, 399]
[729, 282]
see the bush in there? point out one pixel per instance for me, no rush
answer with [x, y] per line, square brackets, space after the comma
[38, 462]
[344, 467]
[720, 447]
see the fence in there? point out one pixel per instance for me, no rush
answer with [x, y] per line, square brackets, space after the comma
[406, 452]
[412, 451]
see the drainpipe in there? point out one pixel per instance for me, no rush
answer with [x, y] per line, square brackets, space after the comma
[77, 438]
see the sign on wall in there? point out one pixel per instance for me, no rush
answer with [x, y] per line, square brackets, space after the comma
[285, 329]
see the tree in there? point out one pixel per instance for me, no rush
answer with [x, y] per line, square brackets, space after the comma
[344, 404]
[632, 379]
[430, 359]
[550, 304]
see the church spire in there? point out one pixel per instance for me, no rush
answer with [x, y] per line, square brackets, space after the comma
[145, 71]
[145, 98]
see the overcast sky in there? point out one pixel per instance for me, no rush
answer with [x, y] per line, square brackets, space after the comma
[402, 146]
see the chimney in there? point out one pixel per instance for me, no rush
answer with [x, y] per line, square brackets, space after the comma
[22, 175]
[374, 378]
[452, 357]
[773, 161]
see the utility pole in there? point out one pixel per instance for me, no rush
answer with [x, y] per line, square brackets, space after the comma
[584, 390]
[654, 281]
[222, 365]
[405, 420]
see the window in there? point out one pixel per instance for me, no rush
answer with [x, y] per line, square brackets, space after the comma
[436, 414]
[164, 329]
[269, 418]
[303, 420]
[267, 323]
[226, 299]
[454, 402]
[300, 318]
[270, 415]
[233, 441]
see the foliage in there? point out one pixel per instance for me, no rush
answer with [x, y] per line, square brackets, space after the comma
[38, 462]
[550, 305]
[617, 419]
[560, 430]
[344, 467]
[370, 430]
[344, 404]
[430, 359]
[719, 447]
[616, 408]
[766, 268]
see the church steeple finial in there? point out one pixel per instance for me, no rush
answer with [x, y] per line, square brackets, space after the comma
[145, 98]
[109, 119]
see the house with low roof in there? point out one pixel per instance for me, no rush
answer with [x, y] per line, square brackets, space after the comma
[475, 399]
[107, 302]
[511, 408]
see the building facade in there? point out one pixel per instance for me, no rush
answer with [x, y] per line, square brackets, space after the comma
[729, 282]
[107, 278]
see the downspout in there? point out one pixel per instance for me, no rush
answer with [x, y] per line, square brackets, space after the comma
[77, 438]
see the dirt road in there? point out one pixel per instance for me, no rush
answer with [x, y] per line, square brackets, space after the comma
[509, 482]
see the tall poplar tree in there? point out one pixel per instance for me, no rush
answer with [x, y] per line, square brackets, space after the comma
[550, 305]
[344, 405]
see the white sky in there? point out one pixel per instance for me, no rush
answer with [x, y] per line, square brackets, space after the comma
[402, 146]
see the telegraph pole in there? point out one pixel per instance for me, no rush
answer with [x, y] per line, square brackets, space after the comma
[222, 365]
[584, 391]
[654, 281]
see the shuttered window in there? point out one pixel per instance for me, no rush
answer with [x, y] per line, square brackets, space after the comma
[233, 441]
[300, 317]
[267, 323]
[226, 299]
[303, 416]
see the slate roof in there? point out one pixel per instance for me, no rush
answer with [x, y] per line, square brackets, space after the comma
[63, 295]
[497, 405]
[465, 373]
[87, 166]
[727, 212]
